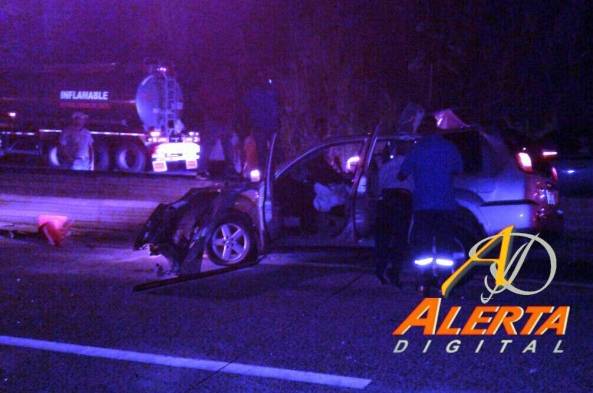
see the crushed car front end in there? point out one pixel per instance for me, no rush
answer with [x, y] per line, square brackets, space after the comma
[183, 230]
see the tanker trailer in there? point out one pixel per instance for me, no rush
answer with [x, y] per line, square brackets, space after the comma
[134, 114]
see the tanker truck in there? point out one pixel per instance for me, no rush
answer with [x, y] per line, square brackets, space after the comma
[134, 114]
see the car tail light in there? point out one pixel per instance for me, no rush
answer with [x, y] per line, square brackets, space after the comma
[554, 174]
[524, 161]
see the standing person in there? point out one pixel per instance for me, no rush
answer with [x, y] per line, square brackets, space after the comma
[216, 155]
[393, 214]
[230, 141]
[223, 152]
[263, 112]
[432, 163]
[76, 144]
[236, 154]
[207, 142]
[250, 155]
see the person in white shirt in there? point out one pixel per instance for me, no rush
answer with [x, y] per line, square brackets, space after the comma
[76, 144]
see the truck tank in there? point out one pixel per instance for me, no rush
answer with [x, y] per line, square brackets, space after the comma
[116, 97]
[131, 108]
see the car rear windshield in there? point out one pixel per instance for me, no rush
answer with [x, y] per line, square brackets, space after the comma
[469, 146]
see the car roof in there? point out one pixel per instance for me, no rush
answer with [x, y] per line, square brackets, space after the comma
[391, 135]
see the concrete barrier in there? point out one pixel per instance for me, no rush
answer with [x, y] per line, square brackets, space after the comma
[102, 204]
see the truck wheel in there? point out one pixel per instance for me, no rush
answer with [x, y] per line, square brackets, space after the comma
[232, 242]
[52, 156]
[102, 158]
[130, 157]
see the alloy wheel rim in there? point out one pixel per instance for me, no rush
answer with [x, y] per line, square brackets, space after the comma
[230, 243]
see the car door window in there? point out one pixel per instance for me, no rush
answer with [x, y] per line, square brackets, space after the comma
[335, 163]
[381, 173]
[384, 151]
[492, 163]
[313, 193]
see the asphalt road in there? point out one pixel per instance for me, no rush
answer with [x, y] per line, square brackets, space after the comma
[308, 322]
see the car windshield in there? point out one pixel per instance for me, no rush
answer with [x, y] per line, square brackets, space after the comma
[342, 157]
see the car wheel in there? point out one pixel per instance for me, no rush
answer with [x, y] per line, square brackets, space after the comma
[102, 158]
[130, 157]
[53, 156]
[232, 242]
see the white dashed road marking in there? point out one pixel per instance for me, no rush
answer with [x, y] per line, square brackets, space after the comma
[198, 364]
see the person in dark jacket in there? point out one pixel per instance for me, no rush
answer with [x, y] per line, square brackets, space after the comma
[433, 164]
[263, 111]
[393, 214]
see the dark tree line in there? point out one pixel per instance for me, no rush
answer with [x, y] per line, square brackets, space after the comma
[349, 64]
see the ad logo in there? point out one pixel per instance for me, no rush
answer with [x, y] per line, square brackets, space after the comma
[490, 320]
[500, 267]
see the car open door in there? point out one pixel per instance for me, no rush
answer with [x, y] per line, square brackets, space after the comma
[361, 202]
[269, 215]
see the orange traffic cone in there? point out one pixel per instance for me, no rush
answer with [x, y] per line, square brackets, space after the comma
[54, 228]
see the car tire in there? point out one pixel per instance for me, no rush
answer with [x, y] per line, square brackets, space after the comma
[102, 157]
[52, 156]
[130, 157]
[232, 242]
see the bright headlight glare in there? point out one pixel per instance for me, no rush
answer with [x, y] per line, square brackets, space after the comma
[423, 261]
[444, 262]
